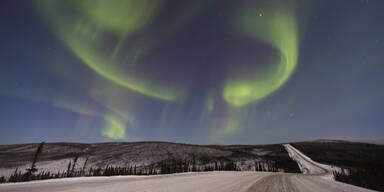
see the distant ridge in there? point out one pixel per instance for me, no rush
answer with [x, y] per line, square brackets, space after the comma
[369, 141]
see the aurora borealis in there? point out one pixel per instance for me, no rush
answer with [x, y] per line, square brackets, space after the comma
[218, 71]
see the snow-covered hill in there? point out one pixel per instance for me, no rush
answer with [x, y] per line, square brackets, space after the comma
[56, 156]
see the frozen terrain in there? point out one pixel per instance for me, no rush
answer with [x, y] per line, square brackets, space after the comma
[207, 181]
[308, 166]
[312, 180]
[55, 157]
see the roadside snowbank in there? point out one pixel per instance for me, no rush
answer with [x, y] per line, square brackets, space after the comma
[308, 166]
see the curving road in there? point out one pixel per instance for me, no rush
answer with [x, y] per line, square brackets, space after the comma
[314, 180]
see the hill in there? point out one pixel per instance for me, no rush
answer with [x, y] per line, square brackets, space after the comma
[145, 156]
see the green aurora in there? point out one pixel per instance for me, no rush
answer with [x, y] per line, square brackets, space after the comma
[201, 71]
[279, 30]
[99, 32]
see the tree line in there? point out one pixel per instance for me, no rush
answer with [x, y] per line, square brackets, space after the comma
[370, 178]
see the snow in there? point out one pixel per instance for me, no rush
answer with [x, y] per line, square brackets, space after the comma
[308, 166]
[188, 182]
[56, 156]
[44, 166]
[316, 177]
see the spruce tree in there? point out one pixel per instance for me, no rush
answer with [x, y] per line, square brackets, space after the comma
[69, 169]
[32, 170]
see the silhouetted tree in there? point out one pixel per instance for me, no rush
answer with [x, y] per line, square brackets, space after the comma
[73, 166]
[16, 176]
[2, 179]
[69, 169]
[32, 170]
[84, 166]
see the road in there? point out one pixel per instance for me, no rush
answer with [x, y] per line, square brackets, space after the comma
[313, 180]
[202, 182]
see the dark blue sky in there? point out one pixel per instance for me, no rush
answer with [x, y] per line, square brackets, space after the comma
[204, 72]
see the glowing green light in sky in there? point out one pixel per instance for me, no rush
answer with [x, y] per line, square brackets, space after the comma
[114, 127]
[77, 108]
[95, 30]
[110, 37]
[277, 27]
[119, 16]
[208, 107]
[116, 101]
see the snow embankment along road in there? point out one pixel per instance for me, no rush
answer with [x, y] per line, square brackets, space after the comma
[188, 182]
[308, 166]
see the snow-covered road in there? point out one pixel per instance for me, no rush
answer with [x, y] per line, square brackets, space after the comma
[201, 182]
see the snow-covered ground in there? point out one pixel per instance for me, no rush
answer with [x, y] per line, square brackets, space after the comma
[308, 166]
[316, 178]
[55, 157]
[203, 181]
[54, 166]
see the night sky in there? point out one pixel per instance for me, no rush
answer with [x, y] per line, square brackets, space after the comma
[201, 71]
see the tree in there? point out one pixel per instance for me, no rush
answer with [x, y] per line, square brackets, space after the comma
[32, 170]
[2, 179]
[84, 166]
[69, 168]
[16, 176]
[74, 165]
